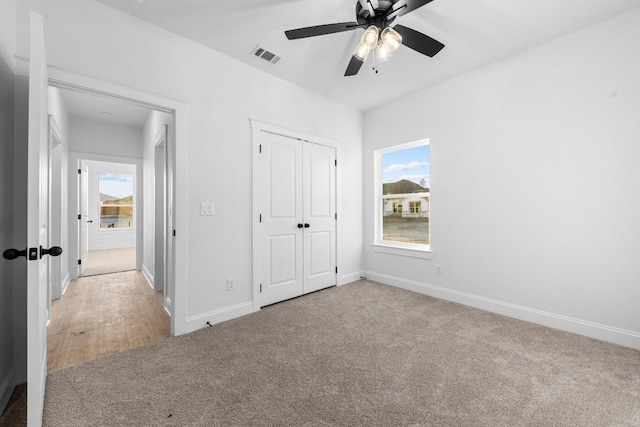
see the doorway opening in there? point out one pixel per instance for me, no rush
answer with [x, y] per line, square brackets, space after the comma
[108, 203]
[116, 242]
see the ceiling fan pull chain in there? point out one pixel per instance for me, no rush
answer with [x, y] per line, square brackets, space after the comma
[375, 68]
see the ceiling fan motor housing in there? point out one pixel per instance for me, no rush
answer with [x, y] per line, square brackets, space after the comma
[380, 20]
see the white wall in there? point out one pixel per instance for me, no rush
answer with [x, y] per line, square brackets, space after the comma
[109, 238]
[7, 116]
[223, 95]
[534, 186]
[93, 137]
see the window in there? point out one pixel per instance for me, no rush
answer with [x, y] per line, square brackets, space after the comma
[116, 200]
[402, 189]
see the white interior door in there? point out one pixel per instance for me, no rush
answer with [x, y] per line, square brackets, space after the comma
[37, 224]
[297, 204]
[319, 195]
[83, 219]
[282, 232]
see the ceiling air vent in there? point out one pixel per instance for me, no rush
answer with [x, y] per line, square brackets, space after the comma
[264, 54]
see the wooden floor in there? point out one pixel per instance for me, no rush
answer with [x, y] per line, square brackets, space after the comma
[105, 314]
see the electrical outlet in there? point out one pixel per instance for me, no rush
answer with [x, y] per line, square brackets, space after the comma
[439, 270]
[231, 284]
[207, 209]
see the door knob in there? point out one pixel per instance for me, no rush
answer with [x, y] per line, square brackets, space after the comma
[12, 254]
[53, 251]
[30, 253]
[306, 225]
[300, 225]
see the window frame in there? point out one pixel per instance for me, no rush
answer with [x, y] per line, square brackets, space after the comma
[414, 250]
[133, 205]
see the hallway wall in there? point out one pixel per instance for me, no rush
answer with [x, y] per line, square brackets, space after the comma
[224, 95]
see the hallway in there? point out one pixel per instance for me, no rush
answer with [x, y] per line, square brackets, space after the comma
[105, 314]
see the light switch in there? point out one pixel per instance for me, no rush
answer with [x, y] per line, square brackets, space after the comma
[207, 209]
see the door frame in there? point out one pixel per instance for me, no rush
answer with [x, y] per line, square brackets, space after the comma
[257, 127]
[160, 209]
[177, 176]
[75, 162]
[56, 280]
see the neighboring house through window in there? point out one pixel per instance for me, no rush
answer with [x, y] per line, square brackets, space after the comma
[402, 190]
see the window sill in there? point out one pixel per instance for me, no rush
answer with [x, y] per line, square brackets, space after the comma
[402, 251]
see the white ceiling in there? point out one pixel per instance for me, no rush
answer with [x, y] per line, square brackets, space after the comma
[475, 33]
[92, 106]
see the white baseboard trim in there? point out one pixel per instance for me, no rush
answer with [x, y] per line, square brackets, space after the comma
[557, 321]
[147, 275]
[350, 278]
[6, 389]
[217, 316]
[65, 284]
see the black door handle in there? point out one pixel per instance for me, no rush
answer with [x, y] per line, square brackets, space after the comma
[30, 253]
[12, 254]
[306, 225]
[90, 220]
[300, 225]
[53, 251]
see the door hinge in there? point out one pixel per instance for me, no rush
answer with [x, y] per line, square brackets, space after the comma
[79, 171]
[79, 262]
[336, 216]
[260, 287]
[79, 216]
[260, 217]
[260, 149]
[336, 162]
[336, 270]
[174, 233]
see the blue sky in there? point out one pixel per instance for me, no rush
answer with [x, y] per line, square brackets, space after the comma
[412, 164]
[115, 184]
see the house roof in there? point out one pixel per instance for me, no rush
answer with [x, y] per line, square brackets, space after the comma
[404, 186]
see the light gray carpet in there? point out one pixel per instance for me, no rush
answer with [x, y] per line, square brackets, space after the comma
[363, 354]
[105, 261]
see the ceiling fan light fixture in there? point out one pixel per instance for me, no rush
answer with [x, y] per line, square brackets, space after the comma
[390, 41]
[367, 42]
[362, 52]
[370, 37]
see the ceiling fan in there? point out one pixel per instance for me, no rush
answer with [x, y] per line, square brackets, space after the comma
[376, 17]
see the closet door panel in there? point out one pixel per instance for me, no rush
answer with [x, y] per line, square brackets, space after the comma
[282, 246]
[319, 213]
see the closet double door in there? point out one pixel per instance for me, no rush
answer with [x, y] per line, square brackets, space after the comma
[298, 217]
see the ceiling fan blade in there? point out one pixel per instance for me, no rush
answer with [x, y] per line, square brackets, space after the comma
[402, 7]
[353, 67]
[366, 5]
[320, 30]
[419, 42]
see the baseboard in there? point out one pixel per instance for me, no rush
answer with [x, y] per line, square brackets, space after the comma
[351, 277]
[582, 327]
[6, 389]
[100, 247]
[147, 275]
[65, 284]
[217, 316]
